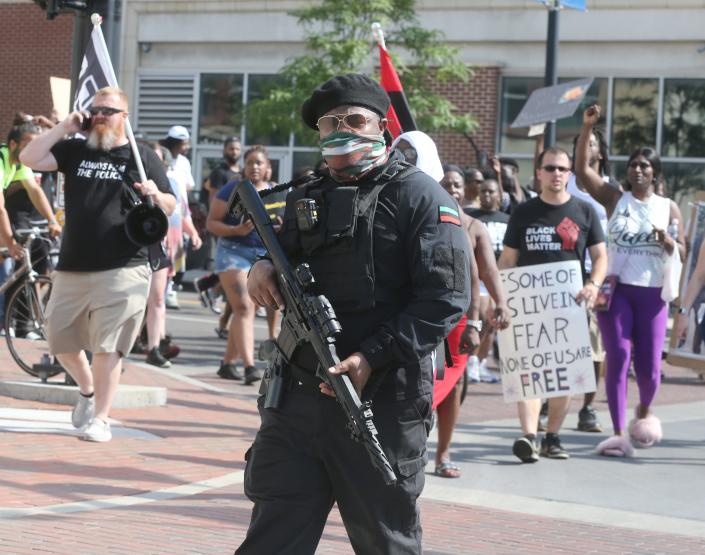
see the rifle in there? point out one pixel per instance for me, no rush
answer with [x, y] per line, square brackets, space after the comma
[308, 318]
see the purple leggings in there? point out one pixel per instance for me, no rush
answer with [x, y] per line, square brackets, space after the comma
[638, 317]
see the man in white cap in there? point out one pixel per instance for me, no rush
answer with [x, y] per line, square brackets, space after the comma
[178, 144]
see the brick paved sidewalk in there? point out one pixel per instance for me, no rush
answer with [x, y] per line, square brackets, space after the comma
[202, 435]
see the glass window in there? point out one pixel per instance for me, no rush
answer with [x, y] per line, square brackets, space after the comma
[515, 93]
[634, 114]
[259, 131]
[683, 180]
[684, 118]
[220, 107]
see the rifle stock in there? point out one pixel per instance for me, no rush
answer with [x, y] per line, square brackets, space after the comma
[310, 318]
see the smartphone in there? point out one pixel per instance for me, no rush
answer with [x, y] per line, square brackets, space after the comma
[86, 124]
[604, 295]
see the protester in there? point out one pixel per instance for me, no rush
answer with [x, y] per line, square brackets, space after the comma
[637, 315]
[464, 338]
[238, 247]
[508, 178]
[473, 182]
[101, 282]
[420, 150]
[598, 160]
[23, 199]
[177, 141]
[208, 286]
[495, 222]
[390, 325]
[160, 349]
[693, 291]
[227, 170]
[568, 226]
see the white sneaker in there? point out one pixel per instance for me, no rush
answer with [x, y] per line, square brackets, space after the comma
[486, 375]
[98, 430]
[83, 411]
[171, 300]
[32, 336]
[473, 369]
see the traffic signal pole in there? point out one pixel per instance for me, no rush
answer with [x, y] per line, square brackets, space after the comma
[551, 76]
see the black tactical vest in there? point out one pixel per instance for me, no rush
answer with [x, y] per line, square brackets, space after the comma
[340, 248]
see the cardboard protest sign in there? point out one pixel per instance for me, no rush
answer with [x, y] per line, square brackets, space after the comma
[546, 351]
[552, 103]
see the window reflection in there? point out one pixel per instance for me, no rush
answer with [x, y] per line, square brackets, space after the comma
[634, 114]
[684, 118]
[220, 107]
[260, 129]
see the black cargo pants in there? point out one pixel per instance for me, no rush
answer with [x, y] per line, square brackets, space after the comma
[303, 460]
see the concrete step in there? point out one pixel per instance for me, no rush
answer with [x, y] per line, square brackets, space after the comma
[128, 396]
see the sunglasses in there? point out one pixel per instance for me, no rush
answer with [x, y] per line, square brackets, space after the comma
[351, 121]
[642, 165]
[550, 169]
[105, 110]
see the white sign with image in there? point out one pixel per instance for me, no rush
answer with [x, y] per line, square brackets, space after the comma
[546, 351]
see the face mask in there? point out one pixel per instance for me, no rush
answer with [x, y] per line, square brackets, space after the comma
[350, 156]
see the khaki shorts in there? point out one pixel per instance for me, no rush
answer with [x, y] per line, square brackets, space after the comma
[97, 311]
[598, 351]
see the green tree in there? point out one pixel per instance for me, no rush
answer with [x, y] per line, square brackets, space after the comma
[339, 40]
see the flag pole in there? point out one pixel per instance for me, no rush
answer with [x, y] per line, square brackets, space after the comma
[378, 35]
[96, 20]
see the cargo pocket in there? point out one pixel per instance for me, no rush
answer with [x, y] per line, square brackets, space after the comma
[406, 468]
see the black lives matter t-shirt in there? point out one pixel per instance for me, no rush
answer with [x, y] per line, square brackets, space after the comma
[544, 233]
[96, 205]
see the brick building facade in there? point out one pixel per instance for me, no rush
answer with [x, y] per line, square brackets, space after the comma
[478, 97]
[33, 49]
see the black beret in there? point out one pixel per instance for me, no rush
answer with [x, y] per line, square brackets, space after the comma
[352, 89]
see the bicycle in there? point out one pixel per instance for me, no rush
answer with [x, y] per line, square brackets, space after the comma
[25, 308]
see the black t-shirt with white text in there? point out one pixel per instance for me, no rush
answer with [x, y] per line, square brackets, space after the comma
[496, 225]
[544, 233]
[96, 205]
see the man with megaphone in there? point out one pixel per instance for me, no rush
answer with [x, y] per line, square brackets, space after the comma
[102, 279]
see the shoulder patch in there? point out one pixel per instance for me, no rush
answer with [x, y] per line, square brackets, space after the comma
[448, 215]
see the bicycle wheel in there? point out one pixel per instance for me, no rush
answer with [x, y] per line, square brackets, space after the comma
[24, 328]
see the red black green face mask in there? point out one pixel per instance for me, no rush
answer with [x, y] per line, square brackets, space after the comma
[350, 156]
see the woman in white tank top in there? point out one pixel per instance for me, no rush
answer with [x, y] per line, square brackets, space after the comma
[638, 246]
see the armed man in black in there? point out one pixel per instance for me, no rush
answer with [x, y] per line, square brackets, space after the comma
[386, 247]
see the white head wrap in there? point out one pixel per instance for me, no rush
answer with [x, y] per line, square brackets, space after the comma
[426, 153]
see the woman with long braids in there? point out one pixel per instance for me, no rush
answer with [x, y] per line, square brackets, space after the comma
[639, 245]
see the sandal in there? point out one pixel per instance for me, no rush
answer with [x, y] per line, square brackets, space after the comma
[447, 469]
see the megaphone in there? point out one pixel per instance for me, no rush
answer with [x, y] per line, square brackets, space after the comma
[145, 223]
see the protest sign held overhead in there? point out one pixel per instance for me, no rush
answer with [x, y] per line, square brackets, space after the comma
[546, 351]
[552, 103]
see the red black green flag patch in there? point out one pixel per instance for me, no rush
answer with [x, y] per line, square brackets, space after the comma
[448, 214]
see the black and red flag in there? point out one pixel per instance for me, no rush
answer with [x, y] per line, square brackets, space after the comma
[399, 114]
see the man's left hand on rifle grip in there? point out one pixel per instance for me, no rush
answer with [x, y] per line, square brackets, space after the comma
[357, 369]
